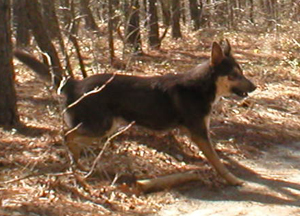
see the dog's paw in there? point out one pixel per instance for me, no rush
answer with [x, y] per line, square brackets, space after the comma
[233, 180]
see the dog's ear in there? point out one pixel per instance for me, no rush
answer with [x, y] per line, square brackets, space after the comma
[227, 48]
[217, 54]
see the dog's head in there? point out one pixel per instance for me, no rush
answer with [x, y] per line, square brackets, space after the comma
[230, 78]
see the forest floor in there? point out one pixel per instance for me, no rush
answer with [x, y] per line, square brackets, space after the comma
[257, 138]
[272, 187]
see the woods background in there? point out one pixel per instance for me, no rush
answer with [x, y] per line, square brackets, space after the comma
[129, 27]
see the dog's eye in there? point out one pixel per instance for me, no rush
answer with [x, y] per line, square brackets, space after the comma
[233, 76]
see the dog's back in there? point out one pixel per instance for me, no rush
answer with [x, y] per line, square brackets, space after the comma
[139, 99]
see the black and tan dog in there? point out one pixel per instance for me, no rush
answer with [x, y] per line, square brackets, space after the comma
[159, 102]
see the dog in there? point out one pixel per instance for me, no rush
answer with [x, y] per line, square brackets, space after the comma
[183, 101]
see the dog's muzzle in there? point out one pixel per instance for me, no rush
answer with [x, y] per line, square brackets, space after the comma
[243, 92]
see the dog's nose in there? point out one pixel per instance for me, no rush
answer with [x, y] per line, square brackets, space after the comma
[253, 87]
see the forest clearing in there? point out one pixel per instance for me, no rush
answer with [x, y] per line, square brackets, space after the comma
[257, 138]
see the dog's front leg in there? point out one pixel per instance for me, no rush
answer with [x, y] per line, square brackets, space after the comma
[74, 146]
[211, 155]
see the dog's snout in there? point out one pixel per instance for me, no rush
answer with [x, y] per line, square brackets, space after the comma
[252, 87]
[249, 85]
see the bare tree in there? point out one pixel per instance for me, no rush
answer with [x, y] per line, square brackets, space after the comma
[110, 32]
[295, 5]
[8, 108]
[40, 34]
[66, 14]
[133, 35]
[195, 11]
[90, 22]
[50, 17]
[166, 12]
[251, 11]
[21, 23]
[154, 40]
[176, 32]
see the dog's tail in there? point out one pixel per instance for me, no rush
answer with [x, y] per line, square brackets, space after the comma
[41, 69]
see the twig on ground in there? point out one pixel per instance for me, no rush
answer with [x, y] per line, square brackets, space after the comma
[35, 175]
[103, 201]
[296, 42]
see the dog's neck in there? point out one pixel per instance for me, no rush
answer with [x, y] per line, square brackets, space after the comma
[203, 79]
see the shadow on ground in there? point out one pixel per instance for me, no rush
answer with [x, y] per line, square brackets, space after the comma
[265, 186]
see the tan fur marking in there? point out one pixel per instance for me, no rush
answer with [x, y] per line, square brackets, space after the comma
[76, 142]
[223, 87]
[207, 121]
[117, 123]
[207, 124]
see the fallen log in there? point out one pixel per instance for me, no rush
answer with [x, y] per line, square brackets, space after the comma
[166, 182]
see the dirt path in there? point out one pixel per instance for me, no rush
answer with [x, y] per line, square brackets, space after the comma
[272, 188]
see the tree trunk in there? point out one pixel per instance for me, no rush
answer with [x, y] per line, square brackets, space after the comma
[195, 10]
[110, 32]
[270, 13]
[230, 6]
[296, 10]
[66, 13]
[115, 17]
[21, 23]
[133, 35]
[154, 40]
[88, 16]
[251, 13]
[166, 13]
[220, 13]
[8, 108]
[115, 63]
[50, 18]
[145, 15]
[43, 40]
[176, 32]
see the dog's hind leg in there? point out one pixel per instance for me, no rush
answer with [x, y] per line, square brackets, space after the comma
[86, 134]
[76, 142]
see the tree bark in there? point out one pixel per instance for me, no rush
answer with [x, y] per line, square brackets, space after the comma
[110, 32]
[231, 19]
[88, 16]
[21, 23]
[195, 10]
[50, 18]
[133, 35]
[166, 12]
[176, 32]
[154, 40]
[8, 108]
[43, 40]
[251, 13]
[66, 13]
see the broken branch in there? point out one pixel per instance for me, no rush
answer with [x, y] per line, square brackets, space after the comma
[168, 181]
